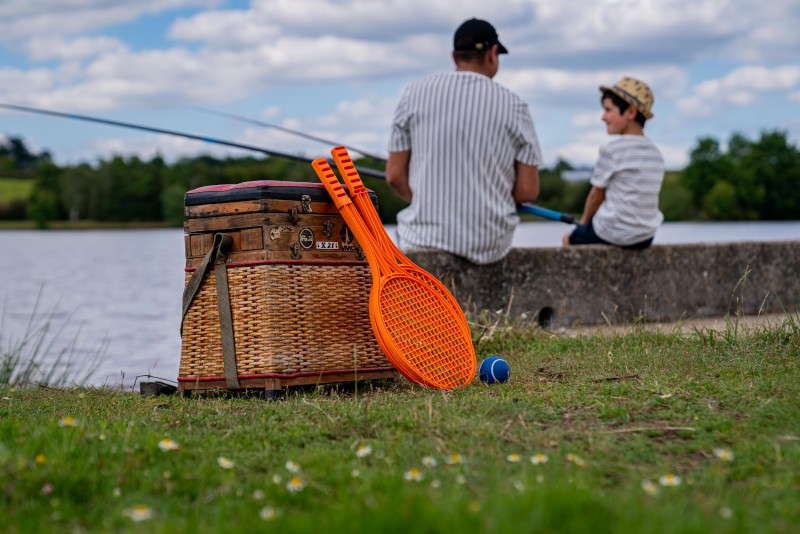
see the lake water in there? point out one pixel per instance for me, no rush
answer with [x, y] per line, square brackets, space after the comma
[119, 291]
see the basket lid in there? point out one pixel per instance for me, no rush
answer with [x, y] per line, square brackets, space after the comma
[258, 190]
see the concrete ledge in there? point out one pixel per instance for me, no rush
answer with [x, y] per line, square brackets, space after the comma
[591, 285]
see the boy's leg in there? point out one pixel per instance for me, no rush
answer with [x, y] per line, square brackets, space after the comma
[583, 234]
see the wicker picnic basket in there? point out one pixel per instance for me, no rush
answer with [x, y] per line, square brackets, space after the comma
[277, 291]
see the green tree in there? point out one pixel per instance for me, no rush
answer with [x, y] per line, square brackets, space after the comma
[45, 202]
[707, 166]
[675, 200]
[775, 164]
[721, 203]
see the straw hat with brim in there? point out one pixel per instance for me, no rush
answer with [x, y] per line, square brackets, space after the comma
[634, 92]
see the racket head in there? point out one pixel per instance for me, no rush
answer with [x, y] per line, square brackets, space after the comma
[422, 330]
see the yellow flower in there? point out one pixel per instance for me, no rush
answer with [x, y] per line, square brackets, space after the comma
[140, 512]
[413, 474]
[670, 480]
[295, 484]
[292, 467]
[513, 457]
[68, 421]
[454, 459]
[726, 455]
[539, 459]
[40, 459]
[429, 461]
[474, 506]
[363, 450]
[577, 460]
[225, 463]
[649, 487]
[167, 445]
[268, 513]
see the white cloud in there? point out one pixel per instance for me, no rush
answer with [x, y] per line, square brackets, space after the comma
[46, 48]
[740, 87]
[20, 19]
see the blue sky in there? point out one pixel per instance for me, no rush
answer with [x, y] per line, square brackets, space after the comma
[335, 69]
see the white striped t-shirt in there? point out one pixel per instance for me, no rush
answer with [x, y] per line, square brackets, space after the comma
[465, 132]
[630, 168]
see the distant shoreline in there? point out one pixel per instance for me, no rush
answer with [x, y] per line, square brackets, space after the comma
[85, 225]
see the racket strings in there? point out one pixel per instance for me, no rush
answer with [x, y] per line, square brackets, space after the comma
[423, 327]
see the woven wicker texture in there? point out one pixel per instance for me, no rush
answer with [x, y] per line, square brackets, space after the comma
[287, 318]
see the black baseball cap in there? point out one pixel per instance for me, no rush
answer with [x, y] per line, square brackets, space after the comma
[476, 34]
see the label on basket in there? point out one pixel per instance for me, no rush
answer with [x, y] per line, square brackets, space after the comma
[306, 238]
[327, 245]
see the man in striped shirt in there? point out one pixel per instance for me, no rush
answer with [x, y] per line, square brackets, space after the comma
[463, 152]
[622, 206]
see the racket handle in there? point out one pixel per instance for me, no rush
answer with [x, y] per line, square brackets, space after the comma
[331, 183]
[348, 171]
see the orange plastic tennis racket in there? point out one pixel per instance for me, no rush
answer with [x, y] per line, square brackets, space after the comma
[360, 196]
[415, 326]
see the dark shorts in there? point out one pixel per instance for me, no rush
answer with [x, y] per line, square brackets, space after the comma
[584, 234]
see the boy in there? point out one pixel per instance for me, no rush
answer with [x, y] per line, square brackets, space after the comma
[622, 206]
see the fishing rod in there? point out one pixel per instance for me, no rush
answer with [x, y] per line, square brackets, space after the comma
[529, 209]
[522, 208]
[289, 131]
[365, 171]
[545, 213]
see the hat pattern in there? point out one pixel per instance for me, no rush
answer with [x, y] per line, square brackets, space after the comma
[634, 92]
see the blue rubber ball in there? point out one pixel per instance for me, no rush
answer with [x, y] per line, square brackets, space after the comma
[494, 369]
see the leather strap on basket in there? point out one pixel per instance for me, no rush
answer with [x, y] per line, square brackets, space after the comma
[216, 255]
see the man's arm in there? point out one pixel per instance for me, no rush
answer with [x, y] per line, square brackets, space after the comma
[593, 201]
[526, 185]
[397, 174]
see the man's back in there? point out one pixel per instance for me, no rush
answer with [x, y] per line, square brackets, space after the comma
[465, 132]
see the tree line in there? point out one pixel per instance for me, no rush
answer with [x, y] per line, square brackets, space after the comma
[748, 180]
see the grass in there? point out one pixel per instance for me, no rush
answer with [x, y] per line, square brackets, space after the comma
[610, 412]
[40, 356]
[12, 189]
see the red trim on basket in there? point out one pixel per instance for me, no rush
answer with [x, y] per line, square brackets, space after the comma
[287, 262]
[293, 375]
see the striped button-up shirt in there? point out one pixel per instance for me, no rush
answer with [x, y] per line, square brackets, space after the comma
[465, 132]
[630, 168]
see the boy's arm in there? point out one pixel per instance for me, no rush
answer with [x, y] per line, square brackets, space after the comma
[593, 201]
[397, 173]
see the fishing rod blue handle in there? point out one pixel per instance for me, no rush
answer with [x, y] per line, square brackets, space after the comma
[545, 213]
